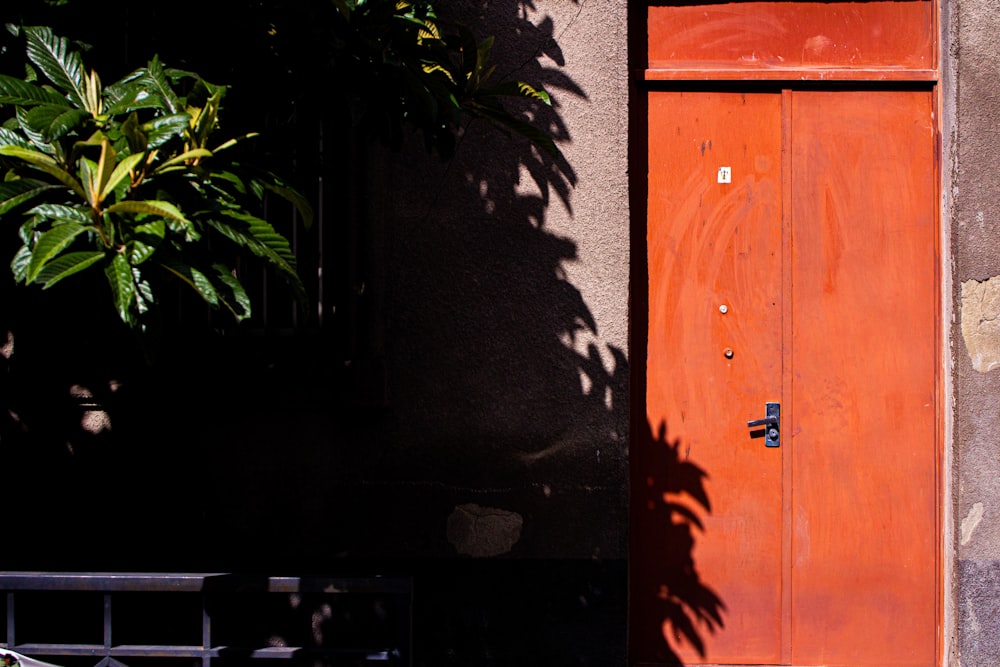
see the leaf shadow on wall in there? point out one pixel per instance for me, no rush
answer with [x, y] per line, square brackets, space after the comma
[504, 392]
[502, 378]
[671, 604]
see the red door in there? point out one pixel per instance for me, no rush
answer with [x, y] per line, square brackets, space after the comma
[791, 254]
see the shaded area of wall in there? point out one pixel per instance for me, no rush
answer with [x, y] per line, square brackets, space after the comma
[975, 226]
[487, 456]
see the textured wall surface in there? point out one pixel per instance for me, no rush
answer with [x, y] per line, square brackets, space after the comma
[506, 296]
[484, 452]
[975, 228]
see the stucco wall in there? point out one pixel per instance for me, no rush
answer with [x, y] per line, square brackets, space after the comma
[485, 451]
[506, 301]
[972, 114]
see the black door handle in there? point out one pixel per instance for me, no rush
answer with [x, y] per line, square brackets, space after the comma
[772, 423]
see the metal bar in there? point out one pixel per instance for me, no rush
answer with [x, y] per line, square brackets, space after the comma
[107, 621]
[173, 651]
[138, 650]
[320, 292]
[206, 632]
[318, 221]
[208, 582]
[295, 251]
[404, 626]
[209, 585]
[39, 648]
[103, 581]
[10, 639]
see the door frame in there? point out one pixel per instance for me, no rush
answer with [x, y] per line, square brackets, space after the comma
[940, 78]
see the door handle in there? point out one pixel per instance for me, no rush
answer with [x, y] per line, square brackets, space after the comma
[772, 424]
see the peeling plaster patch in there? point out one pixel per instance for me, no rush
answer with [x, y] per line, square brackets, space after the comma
[483, 531]
[970, 522]
[974, 628]
[981, 322]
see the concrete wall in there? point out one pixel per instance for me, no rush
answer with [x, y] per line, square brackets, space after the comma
[481, 446]
[972, 124]
[506, 300]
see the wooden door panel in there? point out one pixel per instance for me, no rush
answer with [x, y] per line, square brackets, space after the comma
[864, 357]
[844, 321]
[716, 247]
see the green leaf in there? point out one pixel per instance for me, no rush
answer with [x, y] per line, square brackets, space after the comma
[258, 236]
[145, 240]
[238, 183]
[122, 171]
[35, 136]
[105, 166]
[431, 68]
[123, 289]
[54, 121]
[231, 292]
[261, 239]
[88, 178]
[162, 129]
[16, 192]
[229, 143]
[20, 93]
[205, 121]
[93, 92]
[26, 232]
[148, 207]
[19, 265]
[483, 57]
[183, 157]
[62, 66]
[291, 195]
[130, 94]
[471, 55]
[50, 244]
[176, 75]
[59, 212]
[12, 138]
[46, 164]
[517, 89]
[137, 140]
[195, 279]
[345, 7]
[66, 265]
[188, 232]
[144, 297]
[155, 82]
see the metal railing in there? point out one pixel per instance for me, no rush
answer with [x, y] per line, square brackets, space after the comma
[211, 618]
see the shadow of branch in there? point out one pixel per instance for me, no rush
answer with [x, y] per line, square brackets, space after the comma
[667, 583]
